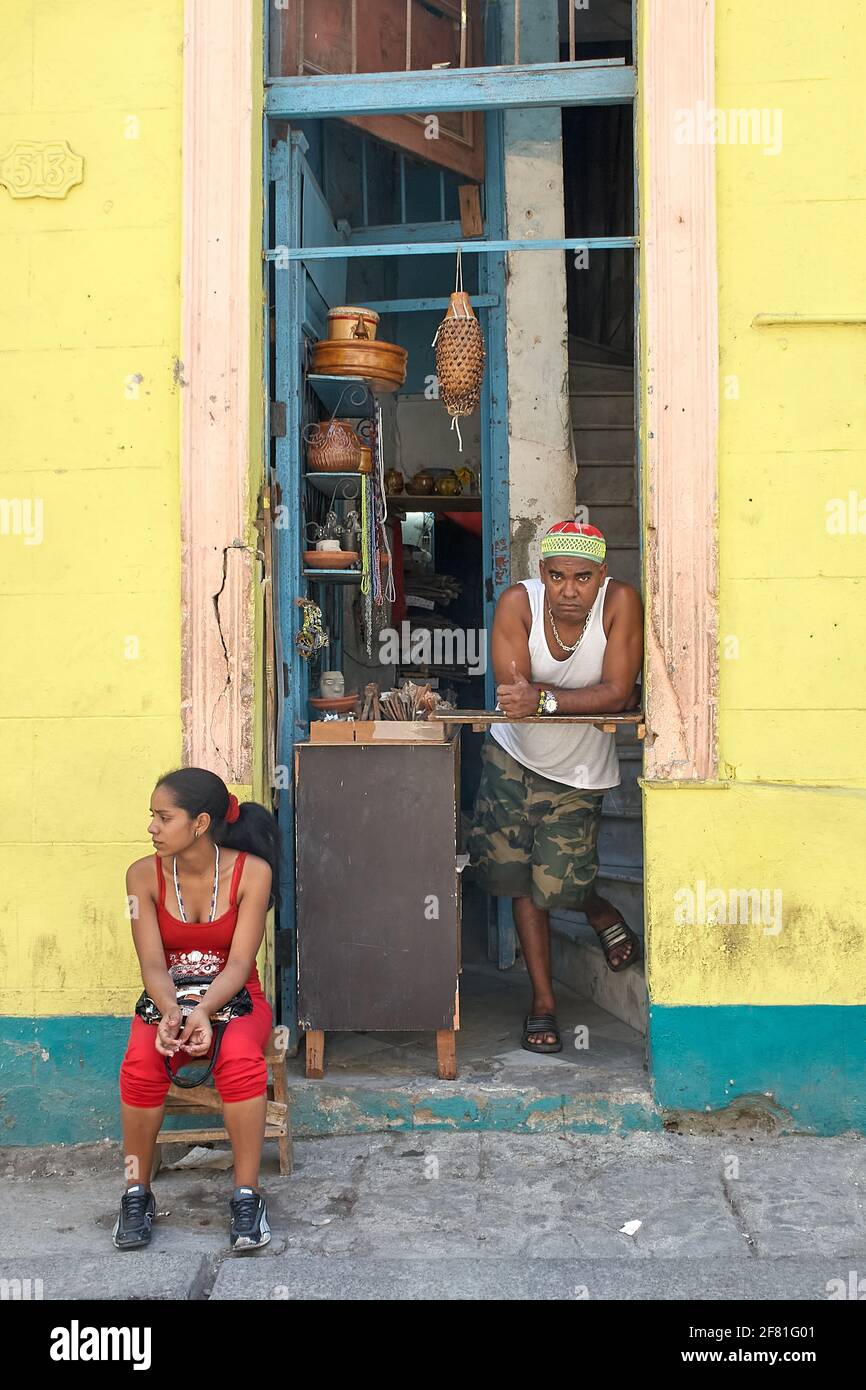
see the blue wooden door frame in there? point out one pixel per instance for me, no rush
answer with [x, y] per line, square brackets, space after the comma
[284, 176]
[490, 90]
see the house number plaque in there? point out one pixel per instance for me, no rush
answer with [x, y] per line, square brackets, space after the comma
[40, 169]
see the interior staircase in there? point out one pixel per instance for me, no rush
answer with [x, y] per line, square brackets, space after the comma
[602, 414]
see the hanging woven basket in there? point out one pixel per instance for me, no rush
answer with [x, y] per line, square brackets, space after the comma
[460, 354]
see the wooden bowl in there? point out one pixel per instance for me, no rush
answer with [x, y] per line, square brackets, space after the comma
[330, 559]
[341, 704]
[382, 365]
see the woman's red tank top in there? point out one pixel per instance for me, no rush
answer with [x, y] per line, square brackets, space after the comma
[201, 948]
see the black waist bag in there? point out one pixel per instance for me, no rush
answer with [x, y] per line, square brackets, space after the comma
[191, 989]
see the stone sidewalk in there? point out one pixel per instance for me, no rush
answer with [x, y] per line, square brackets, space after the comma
[415, 1215]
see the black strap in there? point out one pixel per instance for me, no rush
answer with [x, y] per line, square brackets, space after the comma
[186, 1085]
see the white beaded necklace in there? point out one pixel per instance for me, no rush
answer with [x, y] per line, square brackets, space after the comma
[216, 876]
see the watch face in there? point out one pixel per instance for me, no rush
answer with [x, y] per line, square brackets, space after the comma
[550, 704]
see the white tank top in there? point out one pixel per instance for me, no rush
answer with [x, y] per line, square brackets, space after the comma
[578, 755]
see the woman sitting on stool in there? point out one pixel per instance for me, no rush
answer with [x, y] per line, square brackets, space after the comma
[217, 864]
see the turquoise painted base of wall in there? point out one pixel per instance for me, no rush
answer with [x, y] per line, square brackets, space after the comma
[321, 1108]
[59, 1084]
[809, 1060]
[59, 1081]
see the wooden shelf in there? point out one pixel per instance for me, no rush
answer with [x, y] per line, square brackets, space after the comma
[481, 719]
[433, 502]
[333, 576]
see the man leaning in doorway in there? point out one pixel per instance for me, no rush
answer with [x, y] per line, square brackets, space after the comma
[569, 642]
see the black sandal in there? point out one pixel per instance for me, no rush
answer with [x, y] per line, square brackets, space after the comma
[619, 934]
[540, 1023]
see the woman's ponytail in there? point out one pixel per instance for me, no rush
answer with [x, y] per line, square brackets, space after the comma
[256, 831]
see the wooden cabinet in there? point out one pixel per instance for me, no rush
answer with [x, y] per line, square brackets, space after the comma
[377, 888]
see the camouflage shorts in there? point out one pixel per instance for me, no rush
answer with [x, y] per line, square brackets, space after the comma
[532, 837]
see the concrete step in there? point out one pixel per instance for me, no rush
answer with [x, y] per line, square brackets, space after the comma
[605, 484]
[622, 885]
[623, 562]
[620, 839]
[626, 798]
[604, 442]
[603, 408]
[630, 751]
[387, 1081]
[585, 350]
[599, 376]
[618, 522]
[629, 747]
[578, 962]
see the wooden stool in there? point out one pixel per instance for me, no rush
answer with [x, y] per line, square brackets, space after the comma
[205, 1100]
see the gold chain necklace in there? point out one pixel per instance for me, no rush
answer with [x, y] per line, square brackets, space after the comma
[565, 645]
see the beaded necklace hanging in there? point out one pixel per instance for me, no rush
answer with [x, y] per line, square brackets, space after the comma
[216, 877]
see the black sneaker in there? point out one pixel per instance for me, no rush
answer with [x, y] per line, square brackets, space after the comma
[249, 1225]
[132, 1228]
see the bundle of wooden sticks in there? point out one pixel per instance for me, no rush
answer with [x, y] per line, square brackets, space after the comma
[408, 702]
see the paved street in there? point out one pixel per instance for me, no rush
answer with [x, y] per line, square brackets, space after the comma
[416, 1215]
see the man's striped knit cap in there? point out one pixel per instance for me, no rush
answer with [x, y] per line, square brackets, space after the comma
[574, 538]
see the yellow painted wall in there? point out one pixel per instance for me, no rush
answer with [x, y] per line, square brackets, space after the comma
[790, 231]
[803, 842]
[91, 300]
[792, 741]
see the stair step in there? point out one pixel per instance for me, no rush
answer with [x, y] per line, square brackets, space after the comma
[578, 962]
[625, 797]
[606, 484]
[616, 520]
[620, 840]
[599, 376]
[623, 563]
[623, 888]
[585, 350]
[599, 408]
[627, 745]
[604, 442]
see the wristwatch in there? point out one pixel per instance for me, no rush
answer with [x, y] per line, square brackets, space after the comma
[547, 703]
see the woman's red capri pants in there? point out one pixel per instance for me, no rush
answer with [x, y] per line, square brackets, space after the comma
[240, 1073]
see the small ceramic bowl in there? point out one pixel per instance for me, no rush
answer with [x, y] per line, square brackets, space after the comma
[330, 559]
[338, 705]
[448, 486]
[422, 484]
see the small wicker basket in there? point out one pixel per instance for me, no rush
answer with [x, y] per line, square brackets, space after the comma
[460, 355]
